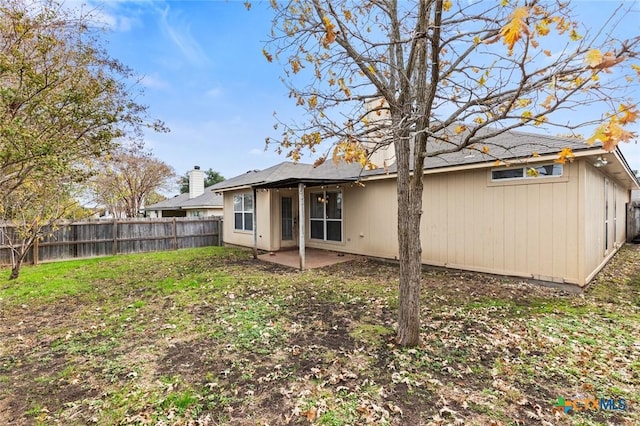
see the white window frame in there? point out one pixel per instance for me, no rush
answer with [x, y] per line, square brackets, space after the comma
[525, 175]
[245, 225]
[325, 217]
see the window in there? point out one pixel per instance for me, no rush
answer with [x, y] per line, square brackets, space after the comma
[243, 212]
[286, 213]
[326, 215]
[546, 170]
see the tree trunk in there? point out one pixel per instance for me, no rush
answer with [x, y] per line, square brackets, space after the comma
[18, 255]
[409, 189]
[16, 264]
[410, 185]
[15, 271]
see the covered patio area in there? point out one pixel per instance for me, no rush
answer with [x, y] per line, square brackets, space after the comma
[283, 208]
[314, 258]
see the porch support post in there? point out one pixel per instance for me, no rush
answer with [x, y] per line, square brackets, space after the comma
[301, 224]
[255, 223]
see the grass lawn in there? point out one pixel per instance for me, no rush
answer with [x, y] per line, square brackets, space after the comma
[212, 337]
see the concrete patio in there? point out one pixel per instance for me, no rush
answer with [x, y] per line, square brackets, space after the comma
[314, 258]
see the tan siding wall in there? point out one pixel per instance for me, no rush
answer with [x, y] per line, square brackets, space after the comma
[594, 219]
[597, 250]
[545, 228]
[264, 220]
[275, 229]
[369, 220]
[622, 198]
[518, 228]
[244, 238]
[526, 229]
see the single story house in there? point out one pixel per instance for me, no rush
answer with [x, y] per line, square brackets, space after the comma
[562, 225]
[198, 202]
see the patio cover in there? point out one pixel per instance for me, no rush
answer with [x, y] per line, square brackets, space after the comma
[291, 175]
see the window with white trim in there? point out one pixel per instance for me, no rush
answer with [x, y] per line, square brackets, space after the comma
[325, 215]
[545, 170]
[243, 212]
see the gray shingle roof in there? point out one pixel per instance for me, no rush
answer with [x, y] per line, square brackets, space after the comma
[504, 146]
[170, 203]
[280, 171]
[207, 200]
[290, 173]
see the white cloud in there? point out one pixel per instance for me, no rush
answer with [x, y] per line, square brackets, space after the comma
[113, 21]
[215, 92]
[180, 36]
[110, 14]
[154, 82]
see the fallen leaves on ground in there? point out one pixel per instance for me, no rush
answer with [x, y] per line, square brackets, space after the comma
[202, 337]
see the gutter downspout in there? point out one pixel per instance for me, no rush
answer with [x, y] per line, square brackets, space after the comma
[255, 223]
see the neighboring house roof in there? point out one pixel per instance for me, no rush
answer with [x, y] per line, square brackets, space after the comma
[207, 200]
[509, 145]
[170, 203]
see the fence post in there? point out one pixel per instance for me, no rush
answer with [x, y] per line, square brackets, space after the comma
[35, 251]
[74, 233]
[114, 246]
[175, 234]
[219, 225]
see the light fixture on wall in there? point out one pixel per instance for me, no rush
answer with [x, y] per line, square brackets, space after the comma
[600, 161]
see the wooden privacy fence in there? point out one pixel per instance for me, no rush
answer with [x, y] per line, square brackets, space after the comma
[110, 237]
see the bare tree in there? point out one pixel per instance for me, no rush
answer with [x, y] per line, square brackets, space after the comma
[443, 76]
[125, 180]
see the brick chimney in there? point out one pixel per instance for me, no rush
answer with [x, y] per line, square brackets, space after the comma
[196, 182]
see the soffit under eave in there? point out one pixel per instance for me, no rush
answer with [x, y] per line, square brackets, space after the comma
[620, 170]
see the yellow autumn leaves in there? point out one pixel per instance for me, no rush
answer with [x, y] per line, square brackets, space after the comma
[330, 31]
[609, 133]
[612, 132]
[564, 155]
[517, 26]
[595, 59]
[351, 151]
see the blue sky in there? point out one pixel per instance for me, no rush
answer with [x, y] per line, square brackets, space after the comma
[204, 75]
